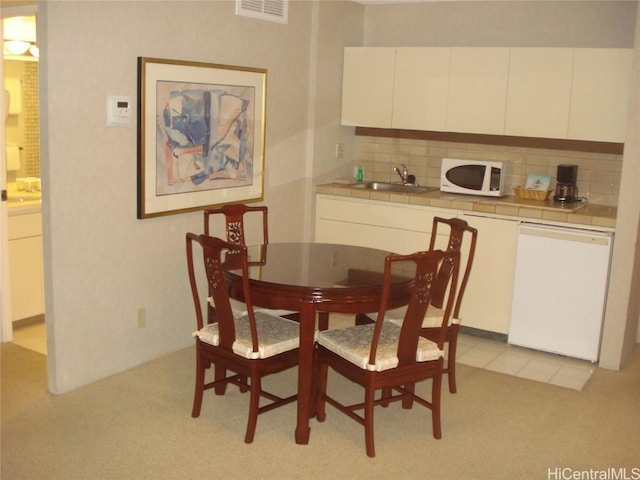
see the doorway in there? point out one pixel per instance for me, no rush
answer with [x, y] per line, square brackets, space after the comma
[22, 174]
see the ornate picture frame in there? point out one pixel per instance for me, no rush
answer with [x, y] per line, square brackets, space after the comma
[201, 135]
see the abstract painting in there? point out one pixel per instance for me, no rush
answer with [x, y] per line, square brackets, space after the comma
[201, 134]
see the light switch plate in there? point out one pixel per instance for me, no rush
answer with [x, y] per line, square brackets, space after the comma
[118, 111]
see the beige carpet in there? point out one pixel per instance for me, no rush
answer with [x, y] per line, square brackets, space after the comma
[137, 425]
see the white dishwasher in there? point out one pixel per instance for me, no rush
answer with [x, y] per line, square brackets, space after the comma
[560, 290]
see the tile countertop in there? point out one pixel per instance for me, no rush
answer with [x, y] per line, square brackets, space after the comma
[585, 214]
[20, 202]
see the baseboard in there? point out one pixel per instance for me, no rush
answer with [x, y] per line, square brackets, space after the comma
[24, 322]
[476, 332]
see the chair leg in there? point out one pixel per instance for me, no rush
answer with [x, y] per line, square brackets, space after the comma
[254, 405]
[451, 368]
[368, 421]
[451, 361]
[407, 402]
[385, 393]
[219, 374]
[243, 388]
[323, 321]
[436, 390]
[321, 379]
[199, 390]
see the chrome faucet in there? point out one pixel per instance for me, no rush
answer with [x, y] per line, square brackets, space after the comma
[404, 175]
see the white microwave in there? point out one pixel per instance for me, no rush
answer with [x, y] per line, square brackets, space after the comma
[474, 177]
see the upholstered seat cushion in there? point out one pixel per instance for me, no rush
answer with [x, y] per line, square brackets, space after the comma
[354, 344]
[277, 313]
[275, 335]
[237, 307]
[432, 319]
[240, 308]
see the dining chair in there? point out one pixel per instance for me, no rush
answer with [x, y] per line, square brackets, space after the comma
[234, 222]
[234, 226]
[390, 357]
[461, 237]
[250, 346]
[234, 216]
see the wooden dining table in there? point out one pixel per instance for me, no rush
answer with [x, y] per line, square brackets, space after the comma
[310, 278]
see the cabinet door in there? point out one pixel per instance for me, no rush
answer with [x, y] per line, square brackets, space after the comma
[487, 300]
[421, 88]
[26, 274]
[367, 86]
[600, 94]
[478, 90]
[539, 92]
[396, 228]
[370, 236]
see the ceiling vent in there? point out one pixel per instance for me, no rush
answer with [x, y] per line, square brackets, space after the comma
[269, 10]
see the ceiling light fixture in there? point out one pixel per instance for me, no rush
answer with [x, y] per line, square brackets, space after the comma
[16, 47]
[20, 37]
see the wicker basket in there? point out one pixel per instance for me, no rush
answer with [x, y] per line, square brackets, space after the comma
[531, 194]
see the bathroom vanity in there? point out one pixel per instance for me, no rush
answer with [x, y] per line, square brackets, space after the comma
[26, 267]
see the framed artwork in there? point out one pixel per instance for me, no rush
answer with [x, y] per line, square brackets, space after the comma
[201, 135]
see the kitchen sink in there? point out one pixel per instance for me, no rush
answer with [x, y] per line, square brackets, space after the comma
[394, 187]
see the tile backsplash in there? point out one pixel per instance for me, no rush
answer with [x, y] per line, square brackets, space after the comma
[598, 174]
[32, 121]
[22, 129]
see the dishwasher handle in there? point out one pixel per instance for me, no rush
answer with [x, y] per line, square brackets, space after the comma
[565, 234]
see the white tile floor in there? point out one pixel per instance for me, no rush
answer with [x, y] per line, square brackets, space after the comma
[499, 356]
[521, 362]
[474, 351]
[33, 337]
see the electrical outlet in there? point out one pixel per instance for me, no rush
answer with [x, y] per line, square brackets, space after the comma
[142, 317]
[339, 150]
[335, 259]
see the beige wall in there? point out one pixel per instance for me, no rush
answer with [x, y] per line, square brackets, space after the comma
[102, 264]
[336, 24]
[516, 23]
[622, 322]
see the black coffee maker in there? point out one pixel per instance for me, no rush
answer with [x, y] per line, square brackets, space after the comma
[566, 187]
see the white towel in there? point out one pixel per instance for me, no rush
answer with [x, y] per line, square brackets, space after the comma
[14, 87]
[13, 157]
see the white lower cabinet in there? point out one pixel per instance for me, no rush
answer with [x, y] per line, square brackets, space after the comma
[487, 299]
[397, 228]
[404, 229]
[26, 265]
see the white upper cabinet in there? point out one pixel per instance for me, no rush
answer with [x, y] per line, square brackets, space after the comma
[539, 92]
[367, 86]
[421, 88]
[478, 90]
[600, 94]
[563, 93]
